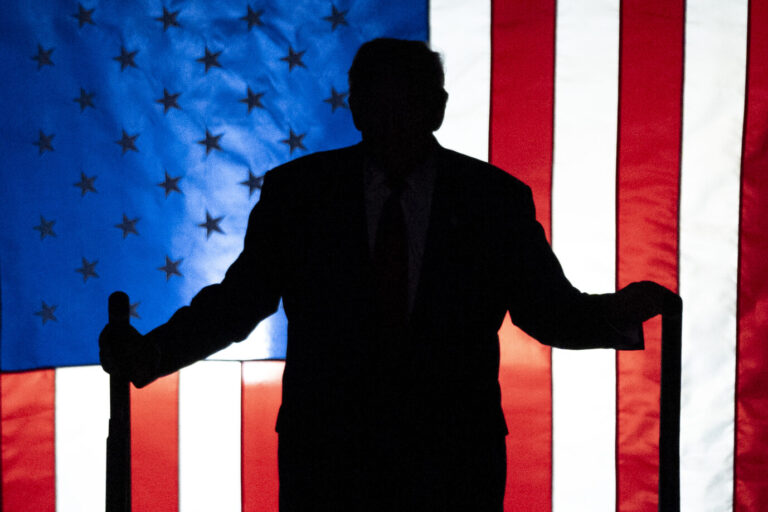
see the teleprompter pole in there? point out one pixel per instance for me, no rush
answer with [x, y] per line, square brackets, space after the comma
[669, 424]
[119, 438]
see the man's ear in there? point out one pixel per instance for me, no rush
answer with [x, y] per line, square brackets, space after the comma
[439, 110]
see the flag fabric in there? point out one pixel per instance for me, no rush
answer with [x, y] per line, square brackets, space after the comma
[143, 130]
[133, 139]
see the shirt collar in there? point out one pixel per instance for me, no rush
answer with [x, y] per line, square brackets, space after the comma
[419, 179]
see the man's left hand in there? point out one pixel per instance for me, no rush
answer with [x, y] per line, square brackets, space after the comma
[641, 300]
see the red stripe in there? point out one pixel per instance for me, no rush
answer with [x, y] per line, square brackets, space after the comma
[751, 464]
[650, 123]
[155, 446]
[522, 92]
[261, 395]
[28, 434]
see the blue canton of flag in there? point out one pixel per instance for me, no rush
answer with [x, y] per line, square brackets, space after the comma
[134, 139]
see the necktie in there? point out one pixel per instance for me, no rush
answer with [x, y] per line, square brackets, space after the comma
[391, 261]
[390, 360]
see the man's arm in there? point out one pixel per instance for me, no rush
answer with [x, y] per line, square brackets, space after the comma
[218, 315]
[545, 304]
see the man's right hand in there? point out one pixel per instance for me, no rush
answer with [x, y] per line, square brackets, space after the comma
[123, 352]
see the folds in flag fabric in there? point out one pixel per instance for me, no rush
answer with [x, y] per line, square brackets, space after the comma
[135, 142]
[134, 136]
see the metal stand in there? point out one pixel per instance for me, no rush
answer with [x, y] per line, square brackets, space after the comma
[669, 422]
[119, 439]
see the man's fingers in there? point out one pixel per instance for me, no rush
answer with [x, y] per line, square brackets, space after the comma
[117, 347]
[664, 300]
[643, 300]
[673, 304]
[668, 302]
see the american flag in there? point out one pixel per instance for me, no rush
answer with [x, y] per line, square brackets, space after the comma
[133, 138]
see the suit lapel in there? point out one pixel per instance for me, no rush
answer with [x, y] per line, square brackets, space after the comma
[443, 222]
[349, 202]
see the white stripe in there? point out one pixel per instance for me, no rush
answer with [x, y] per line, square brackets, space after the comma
[460, 31]
[713, 111]
[583, 235]
[209, 437]
[82, 424]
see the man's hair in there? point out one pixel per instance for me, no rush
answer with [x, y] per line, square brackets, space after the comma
[416, 69]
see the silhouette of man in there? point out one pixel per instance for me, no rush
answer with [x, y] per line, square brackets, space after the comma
[396, 261]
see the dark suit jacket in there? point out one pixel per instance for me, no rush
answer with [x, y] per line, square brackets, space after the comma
[306, 242]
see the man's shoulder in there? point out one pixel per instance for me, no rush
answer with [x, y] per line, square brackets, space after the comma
[477, 175]
[315, 167]
[322, 168]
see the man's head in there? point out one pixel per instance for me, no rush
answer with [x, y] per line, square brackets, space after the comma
[396, 93]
